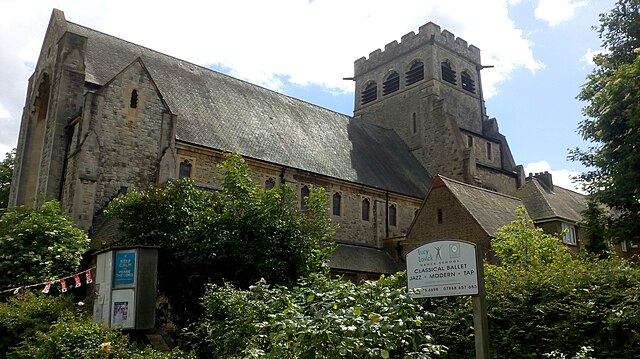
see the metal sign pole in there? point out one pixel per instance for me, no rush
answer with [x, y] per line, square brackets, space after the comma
[480, 323]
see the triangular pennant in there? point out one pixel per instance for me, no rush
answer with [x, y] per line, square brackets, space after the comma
[47, 287]
[15, 291]
[64, 285]
[77, 279]
[87, 274]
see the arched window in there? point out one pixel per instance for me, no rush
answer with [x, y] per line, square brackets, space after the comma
[365, 209]
[392, 215]
[415, 73]
[370, 93]
[337, 202]
[448, 73]
[269, 184]
[134, 99]
[185, 169]
[467, 82]
[391, 83]
[304, 193]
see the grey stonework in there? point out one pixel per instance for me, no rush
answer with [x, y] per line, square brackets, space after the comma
[103, 116]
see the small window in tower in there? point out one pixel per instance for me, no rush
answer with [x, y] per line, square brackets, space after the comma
[370, 93]
[337, 202]
[185, 169]
[469, 141]
[448, 73]
[365, 209]
[415, 122]
[415, 73]
[392, 215]
[439, 215]
[467, 82]
[134, 99]
[391, 84]
[269, 184]
[304, 193]
[489, 152]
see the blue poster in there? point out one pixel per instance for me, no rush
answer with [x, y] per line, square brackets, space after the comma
[125, 268]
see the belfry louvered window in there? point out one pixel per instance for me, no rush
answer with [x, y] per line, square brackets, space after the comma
[370, 93]
[467, 82]
[415, 73]
[391, 84]
[448, 73]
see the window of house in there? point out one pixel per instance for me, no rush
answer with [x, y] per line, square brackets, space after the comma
[269, 183]
[468, 83]
[370, 93]
[414, 122]
[365, 209]
[469, 141]
[569, 236]
[415, 73]
[489, 152]
[392, 215]
[439, 215]
[337, 202]
[391, 84]
[304, 193]
[448, 73]
[134, 99]
[185, 169]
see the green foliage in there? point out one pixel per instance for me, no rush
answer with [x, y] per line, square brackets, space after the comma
[319, 318]
[25, 314]
[79, 337]
[6, 174]
[612, 121]
[541, 300]
[38, 244]
[239, 235]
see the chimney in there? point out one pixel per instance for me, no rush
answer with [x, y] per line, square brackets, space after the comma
[545, 179]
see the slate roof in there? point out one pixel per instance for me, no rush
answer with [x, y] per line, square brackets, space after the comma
[490, 209]
[543, 203]
[220, 112]
[351, 257]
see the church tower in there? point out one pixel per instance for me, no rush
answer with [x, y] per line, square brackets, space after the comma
[427, 88]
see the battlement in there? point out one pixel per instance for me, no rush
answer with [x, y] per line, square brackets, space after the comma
[428, 33]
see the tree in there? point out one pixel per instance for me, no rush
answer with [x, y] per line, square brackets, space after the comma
[6, 173]
[612, 121]
[238, 235]
[38, 244]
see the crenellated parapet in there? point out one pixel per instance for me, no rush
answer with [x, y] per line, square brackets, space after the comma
[428, 33]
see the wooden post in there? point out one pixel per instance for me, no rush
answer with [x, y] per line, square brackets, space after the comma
[480, 323]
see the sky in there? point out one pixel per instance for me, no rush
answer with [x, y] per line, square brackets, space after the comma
[541, 52]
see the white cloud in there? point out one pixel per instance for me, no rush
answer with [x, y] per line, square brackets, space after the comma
[562, 177]
[264, 42]
[590, 54]
[557, 11]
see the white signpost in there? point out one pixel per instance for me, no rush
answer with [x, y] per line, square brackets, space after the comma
[448, 268]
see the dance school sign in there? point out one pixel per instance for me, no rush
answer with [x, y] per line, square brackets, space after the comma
[442, 269]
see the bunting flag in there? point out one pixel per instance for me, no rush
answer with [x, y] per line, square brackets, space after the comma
[47, 285]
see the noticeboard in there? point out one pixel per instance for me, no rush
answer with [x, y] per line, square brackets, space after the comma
[442, 268]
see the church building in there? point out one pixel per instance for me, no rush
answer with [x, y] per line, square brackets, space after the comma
[103, 116]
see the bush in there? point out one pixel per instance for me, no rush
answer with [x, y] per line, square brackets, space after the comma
[320, 318]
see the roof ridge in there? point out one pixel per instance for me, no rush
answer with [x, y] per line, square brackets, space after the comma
[208, 69]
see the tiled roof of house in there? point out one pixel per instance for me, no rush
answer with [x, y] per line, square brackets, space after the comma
[221, 112]
[546, 203]
[351, 257]
[490, 209]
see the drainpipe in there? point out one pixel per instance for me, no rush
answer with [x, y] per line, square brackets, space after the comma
[386, 212]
